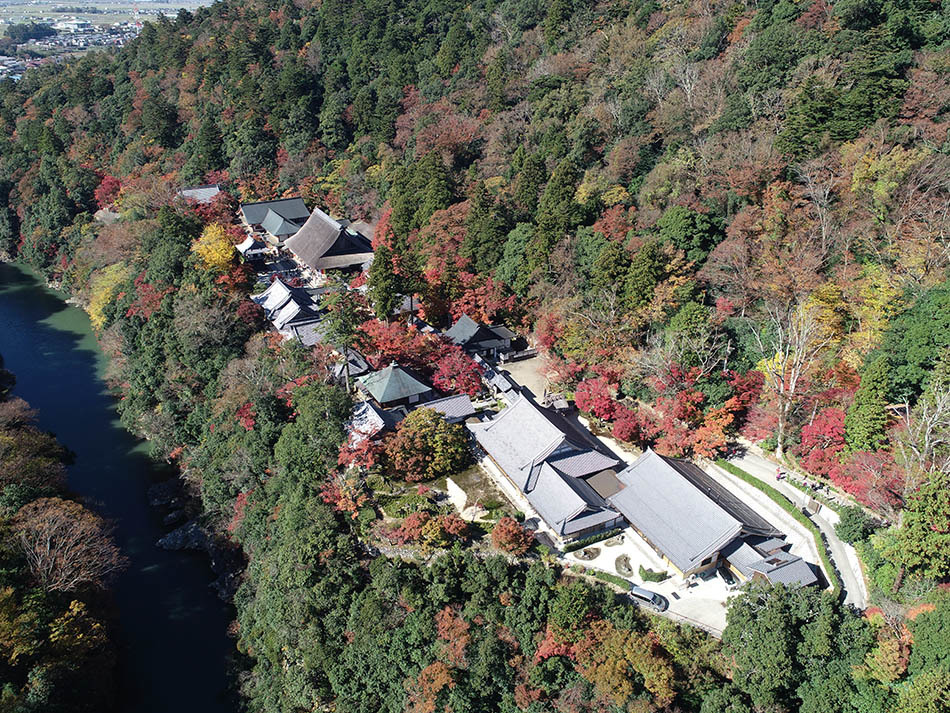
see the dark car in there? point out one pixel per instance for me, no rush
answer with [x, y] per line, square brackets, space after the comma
[646, 598]
[728, 577]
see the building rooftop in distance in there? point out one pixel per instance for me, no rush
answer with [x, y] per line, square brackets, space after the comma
[290, 209]
[453, 408]
[200, 194]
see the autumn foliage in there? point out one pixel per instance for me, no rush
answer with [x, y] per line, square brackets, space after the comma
[425, 446]
[66, 546]
[510, 536]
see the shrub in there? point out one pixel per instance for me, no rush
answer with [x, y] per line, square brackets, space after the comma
[855, 525]
[648, 575]
[599, 537]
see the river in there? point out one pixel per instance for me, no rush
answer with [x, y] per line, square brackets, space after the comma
[171, 627]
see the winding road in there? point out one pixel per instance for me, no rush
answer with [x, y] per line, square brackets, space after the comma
[843, 555]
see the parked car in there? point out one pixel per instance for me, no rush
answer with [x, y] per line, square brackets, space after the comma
[728, 577]
[646, 598]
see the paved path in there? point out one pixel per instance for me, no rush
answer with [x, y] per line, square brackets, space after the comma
[843, 555]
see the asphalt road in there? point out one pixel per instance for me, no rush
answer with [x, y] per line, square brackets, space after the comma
[842, 554]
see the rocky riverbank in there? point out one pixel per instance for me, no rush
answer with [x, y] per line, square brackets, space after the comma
[224, 557]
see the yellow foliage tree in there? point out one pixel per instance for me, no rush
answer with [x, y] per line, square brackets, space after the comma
[830, 313]
[875, 303]
[214, 249]
[103, 285]
[614, 195]
[876, 174]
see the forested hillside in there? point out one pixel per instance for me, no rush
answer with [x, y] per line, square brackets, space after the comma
[717, 220]
[56, 557]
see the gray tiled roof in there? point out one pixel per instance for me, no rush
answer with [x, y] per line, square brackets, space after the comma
[677, 518]
[309, 334]
[796, 571]
[742, 556]
[463, 330]
[368, 421]
[454, 408]
[566, 504]
[275, 224]
[577, 464]
[769, 544]
[283, 304]
[466, 332]
[294, 312]
[497, 379]
[293, 209]
[200, 194]
[518, 438]
[393, 384]
[779, 567]
[528, 447]
[274, 297]
[358, 365]
[250, 244]
[752, 522]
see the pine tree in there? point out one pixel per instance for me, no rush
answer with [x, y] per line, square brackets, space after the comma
[402, 201]
[922, 544]
[435, 188]
[866, 422]
[610, 268]
[495, 80]
[342, 322]
[559, 12]
[207, 154]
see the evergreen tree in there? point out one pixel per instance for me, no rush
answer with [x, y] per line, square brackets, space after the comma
[434, 188]
[496, 77]
[207, 156]
[384, 285]
[484, 239]
[692, 232]
[866, 422]
[557, 213]
[534, 173]
[511, 270]
[402, 201]
[922, 544]
[610, 268]
[643, 276]
[160, 121]
[342, 322]
[559, 12]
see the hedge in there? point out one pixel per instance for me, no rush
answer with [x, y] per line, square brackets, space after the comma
[789, 507]
[648, 575]
[608, 577]
[587, 541]
[601, 575]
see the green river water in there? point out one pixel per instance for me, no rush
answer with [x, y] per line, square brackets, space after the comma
[171, 627]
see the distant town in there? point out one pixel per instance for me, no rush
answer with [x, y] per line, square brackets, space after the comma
[37, 33]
